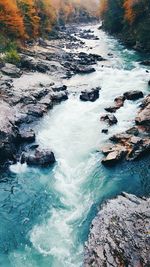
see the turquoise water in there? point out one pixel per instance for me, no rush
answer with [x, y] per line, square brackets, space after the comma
[45, 214]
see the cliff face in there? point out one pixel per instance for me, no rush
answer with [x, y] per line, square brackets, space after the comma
[120, 234]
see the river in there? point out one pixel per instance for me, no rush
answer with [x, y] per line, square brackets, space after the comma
[45, 215]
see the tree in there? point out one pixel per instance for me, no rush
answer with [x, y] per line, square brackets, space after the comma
[30, 18]
[11, 21]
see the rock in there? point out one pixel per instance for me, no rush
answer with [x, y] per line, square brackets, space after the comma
[83, 70]
[133, 95]
[59, 88]
[59, 97]
[110, 119]
[35, 110]
[112, 109]
[11, 70]
[112, 158]
[149, 83]
[27, 135]
[41, 158]
[91, 95]
[143, 117]
[135, 146]
[145, 62]
[119, 234]
[105, 131]
[33, 64]
[114, 153]
[119, 101]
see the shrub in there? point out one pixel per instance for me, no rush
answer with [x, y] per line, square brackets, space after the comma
[12, 56]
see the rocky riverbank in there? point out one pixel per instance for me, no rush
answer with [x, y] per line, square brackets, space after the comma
[134, 142]
[119, 235]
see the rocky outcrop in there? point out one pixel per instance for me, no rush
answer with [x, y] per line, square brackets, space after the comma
[91, 95]
[133, 143]
[119, 235]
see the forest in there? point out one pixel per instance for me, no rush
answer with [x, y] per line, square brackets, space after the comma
[129, 19]
[23, 19]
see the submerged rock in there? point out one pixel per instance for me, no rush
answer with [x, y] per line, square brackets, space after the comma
[119, 235]
[91, 95]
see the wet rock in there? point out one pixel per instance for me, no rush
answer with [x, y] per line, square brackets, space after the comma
[91, 95]
[105, 131]
[112, 109]
[113, 153]
[27, 135]
[11, 70]
[41, 158]
[119, 234]
[110, 119]
[133, 95]
[119, 102]
[145, 62]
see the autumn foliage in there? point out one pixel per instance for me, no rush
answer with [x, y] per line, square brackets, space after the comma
[129, 18]
[25, 19]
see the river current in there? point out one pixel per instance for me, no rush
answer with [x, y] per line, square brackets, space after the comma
[45, 215]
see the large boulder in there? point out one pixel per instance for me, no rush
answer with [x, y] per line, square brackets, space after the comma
[41, 158]
[11, 70]
[119, 235]
[91, 95]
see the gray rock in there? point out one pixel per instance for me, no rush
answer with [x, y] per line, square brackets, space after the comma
[41, 158]
[91, 95]
[11, 70]
[119, 235]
